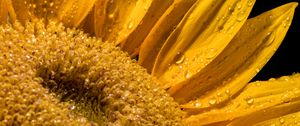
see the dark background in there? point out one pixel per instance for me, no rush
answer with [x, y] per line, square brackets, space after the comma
[286, 59]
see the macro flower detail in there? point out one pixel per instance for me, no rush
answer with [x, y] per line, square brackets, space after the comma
[142, 62]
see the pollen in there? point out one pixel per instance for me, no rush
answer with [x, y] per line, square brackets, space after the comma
[54, 75]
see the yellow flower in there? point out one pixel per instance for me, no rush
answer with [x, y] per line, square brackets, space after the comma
[202, 53]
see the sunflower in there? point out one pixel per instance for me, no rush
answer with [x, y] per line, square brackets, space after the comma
[142, 62]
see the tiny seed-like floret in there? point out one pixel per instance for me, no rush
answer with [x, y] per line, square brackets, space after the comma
[54, 75]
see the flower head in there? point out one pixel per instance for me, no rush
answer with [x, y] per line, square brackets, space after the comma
[201, 55]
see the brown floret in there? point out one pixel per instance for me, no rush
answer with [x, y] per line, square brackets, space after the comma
[56, 75]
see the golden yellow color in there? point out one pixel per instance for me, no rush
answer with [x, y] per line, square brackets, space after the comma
[202, 53]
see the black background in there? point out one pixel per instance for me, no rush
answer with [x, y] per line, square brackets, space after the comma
[286, 59]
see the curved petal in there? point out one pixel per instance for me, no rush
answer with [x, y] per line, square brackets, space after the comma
[3, 11]
[203, 33]
[161, 30]
[290, 119]
[240, 61]
[132, 43]
[259, 101]
[118, 19]
[7, 13]
[70, 12]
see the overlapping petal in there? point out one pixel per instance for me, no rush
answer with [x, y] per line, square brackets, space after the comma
[155, 39]
[114, 21]
[204, 52]
[3, 11]
[290, 119]
[259, 101]
[6, 12]
[70, 12]
[203, 33]
[239, 62]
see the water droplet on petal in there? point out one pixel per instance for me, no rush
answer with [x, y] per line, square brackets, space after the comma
[180, 60]
[281, 120]
[34, 6]
[130, 25]
[187, 75]
[249, 100]
[241, 16]
[284, 25]
[111, 16]
[227, 91]
[212, 101]
[197, 104]
[239, 6]
[180, 67]
[211, 53]
[257, 70]
[51, 4]
[250, 3]
[270, 38]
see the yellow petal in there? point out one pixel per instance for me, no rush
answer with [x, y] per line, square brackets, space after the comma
[24, 10]
[3, 11]
[7, 13]
[160, 32]
[259, 101]
[290, 119]
[70, 12]
[240, 61]
[135, 39]
[119, 18]
[203, 33]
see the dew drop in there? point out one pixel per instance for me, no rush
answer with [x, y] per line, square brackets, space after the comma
[270, 38]
[180, 60]
[257, 70]
[180, 67]
[111, 16]
[187, 75]
[239, 6]
[250, 3]
[34, 6]
[281, 121]
[212, 101]
[249, 100]
[284, 25]
[130, 25]
[197, 104]
[51, 4]
[211, 53]
[227, 91]
[241, 16]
